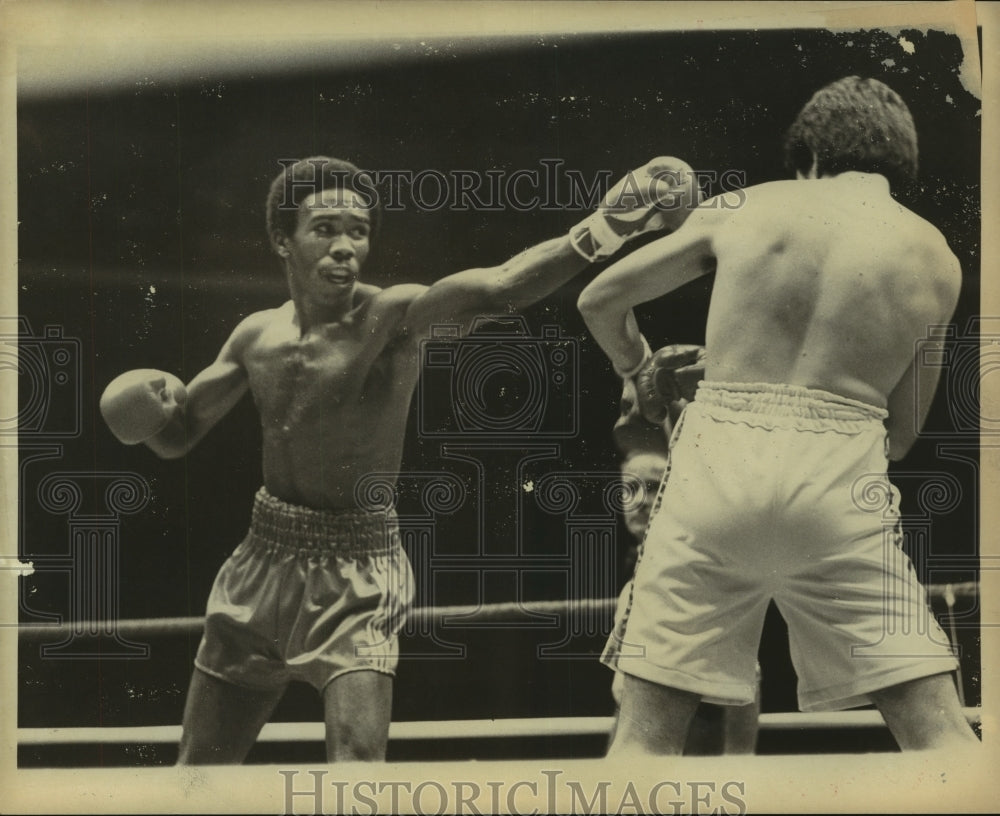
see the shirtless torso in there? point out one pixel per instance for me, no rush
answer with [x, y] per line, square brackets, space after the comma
[827, 283]
[805, 298]
[333, 370]
[333, 403]
[820, 283]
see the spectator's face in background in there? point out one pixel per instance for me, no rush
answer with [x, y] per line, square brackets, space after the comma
[648, 470]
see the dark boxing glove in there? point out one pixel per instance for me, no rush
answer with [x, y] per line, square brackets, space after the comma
[669, 381]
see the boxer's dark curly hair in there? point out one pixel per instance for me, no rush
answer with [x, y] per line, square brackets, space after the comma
[854, 124]
[302, 178]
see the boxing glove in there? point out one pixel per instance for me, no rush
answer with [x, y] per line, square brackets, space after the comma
[657, 196]
[669, 380]
[140, 403]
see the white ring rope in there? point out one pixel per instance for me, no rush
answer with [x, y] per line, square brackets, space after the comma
[450, 729]
[429, 730]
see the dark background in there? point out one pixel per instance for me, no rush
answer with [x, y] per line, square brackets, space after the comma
[142, 240]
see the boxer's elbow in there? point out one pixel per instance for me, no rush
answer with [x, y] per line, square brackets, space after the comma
[591, 303]
[899, 449]
[897, 453]
[900, 441]
[167, 454]
[601, 313]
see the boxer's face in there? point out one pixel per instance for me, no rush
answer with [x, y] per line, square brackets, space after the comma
[329, 245]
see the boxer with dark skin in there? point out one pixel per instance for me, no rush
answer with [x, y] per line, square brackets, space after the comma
[823, 287]
[332, 372]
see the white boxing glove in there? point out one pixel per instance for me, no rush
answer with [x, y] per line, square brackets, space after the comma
[140, 403]
[658, 196]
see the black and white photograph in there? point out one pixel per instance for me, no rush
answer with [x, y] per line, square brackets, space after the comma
[499, 407]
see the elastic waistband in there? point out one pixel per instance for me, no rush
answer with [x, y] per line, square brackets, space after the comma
[781, 405]
[281, 526]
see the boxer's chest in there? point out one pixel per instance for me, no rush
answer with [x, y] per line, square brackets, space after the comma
[293, 380]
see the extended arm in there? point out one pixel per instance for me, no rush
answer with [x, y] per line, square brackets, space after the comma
[521, 281]
[655, 197]
[644, 275]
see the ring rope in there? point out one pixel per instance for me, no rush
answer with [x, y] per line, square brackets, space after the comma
[450, 729]
[476, 614]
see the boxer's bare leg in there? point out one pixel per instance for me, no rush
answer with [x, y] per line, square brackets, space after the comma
[925, 714]
[358, 708]
[222, 720]
[740, 726]
[653, 719]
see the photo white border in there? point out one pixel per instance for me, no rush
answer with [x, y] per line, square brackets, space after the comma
[92, 35]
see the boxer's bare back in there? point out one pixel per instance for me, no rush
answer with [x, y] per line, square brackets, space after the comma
[805, 297]
[821, 282]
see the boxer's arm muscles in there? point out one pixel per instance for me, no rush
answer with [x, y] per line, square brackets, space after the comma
[908, 405]
[210, 395]
[910, 400]
[525, 279]
[646, 274]
[658, 195]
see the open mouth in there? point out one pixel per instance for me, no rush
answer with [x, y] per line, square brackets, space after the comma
[340, 275]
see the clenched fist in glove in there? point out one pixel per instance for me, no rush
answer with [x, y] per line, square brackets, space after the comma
[658, 196]
[668, 381]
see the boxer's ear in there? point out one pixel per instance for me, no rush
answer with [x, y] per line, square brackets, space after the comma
[279, 241]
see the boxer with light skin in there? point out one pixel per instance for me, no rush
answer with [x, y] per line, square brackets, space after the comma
[320, 587]
[823, 287]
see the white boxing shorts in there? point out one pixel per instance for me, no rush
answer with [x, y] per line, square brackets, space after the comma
[777, 492]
